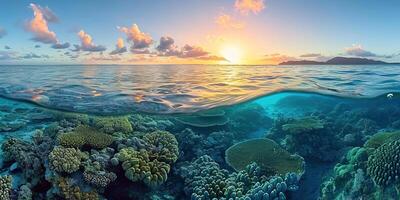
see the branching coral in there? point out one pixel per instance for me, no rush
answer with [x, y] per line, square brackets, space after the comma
[84, 135]
[205, 180]
[29, 156]
[113, 124]
[71, 192]
[99, 178]
[267, 154]
[5, 187]
[65, 159]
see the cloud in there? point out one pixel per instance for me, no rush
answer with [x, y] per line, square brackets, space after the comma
[60, 46]
[33, 56]
[357, 50]
[139, 51]
[39, 27]
[7, 47]
[310, 55]
[37, 46]
[7, 55]
[212, 58]
[166, 43]
[247, 6]
[277, 58]
[120, 47]
[48, 14]
[139, 39]
[226, 21]
[190, 51]
[3, 32]
[87, 43]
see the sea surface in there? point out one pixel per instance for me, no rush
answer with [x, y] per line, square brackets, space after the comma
[109, 89]
[199, 132]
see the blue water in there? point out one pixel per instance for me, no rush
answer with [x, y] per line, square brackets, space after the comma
[319, 113]
[183, 88]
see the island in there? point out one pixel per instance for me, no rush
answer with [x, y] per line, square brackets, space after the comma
[338, 61]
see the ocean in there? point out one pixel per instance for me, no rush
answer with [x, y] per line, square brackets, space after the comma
[199, 132]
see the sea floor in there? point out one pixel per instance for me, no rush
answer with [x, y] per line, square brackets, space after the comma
[287, 145]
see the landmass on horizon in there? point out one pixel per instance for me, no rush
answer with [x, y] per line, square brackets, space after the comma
[338, 61]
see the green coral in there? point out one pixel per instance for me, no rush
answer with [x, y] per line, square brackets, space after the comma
[306, 124]
[267, 154]
[380, 138]
[84, 135]
[65, 159]
[111, 125]
[384, 164]
[139, 166]
[203, 120]
[164, 145]
[5, 187]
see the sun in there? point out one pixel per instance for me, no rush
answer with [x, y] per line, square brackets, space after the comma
[232, 54]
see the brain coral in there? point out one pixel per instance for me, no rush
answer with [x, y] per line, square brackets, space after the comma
[65, 159]
[138, 166]
[384, 164]
[113, 124]
[267, 154]
[84, 135]
[163, 145]
[5, 187]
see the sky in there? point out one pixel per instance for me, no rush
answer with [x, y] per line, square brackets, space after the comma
[197, 31]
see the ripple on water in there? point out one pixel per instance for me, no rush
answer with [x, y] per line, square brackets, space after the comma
[183, 88]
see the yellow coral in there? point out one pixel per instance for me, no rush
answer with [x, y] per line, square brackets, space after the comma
[113, 124]
[5, 187]
[71, 192]
[138, 166]
[65, 159]
[85, 135]
[166, 145]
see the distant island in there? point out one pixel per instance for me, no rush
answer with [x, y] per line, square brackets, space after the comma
[338, 61]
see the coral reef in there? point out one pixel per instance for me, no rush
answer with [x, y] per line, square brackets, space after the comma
[307, 124]
[113, 124]
[28, 156]
[384, 163]
[310, 137]
[66, 160]
[84, 135]
[71, 192]
[203, 121]
[205, 180]
[139, 166]
[163, 146]
[149, 159]
[267, 154]
[5, 187]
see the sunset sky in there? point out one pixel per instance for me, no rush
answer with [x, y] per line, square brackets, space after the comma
[197, 31]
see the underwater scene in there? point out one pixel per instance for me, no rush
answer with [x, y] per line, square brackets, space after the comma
[123, 132]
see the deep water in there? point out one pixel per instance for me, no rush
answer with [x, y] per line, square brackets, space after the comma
[186, 132]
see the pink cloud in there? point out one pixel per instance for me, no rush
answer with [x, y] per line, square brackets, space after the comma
[87, 43]
[39, 27]
[226, 21]
[140, 40]
[120, 47]
[247, 6]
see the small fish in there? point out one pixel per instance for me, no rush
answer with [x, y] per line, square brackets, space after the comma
[390, 95]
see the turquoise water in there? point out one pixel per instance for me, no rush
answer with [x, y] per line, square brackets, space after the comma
[200, 132]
